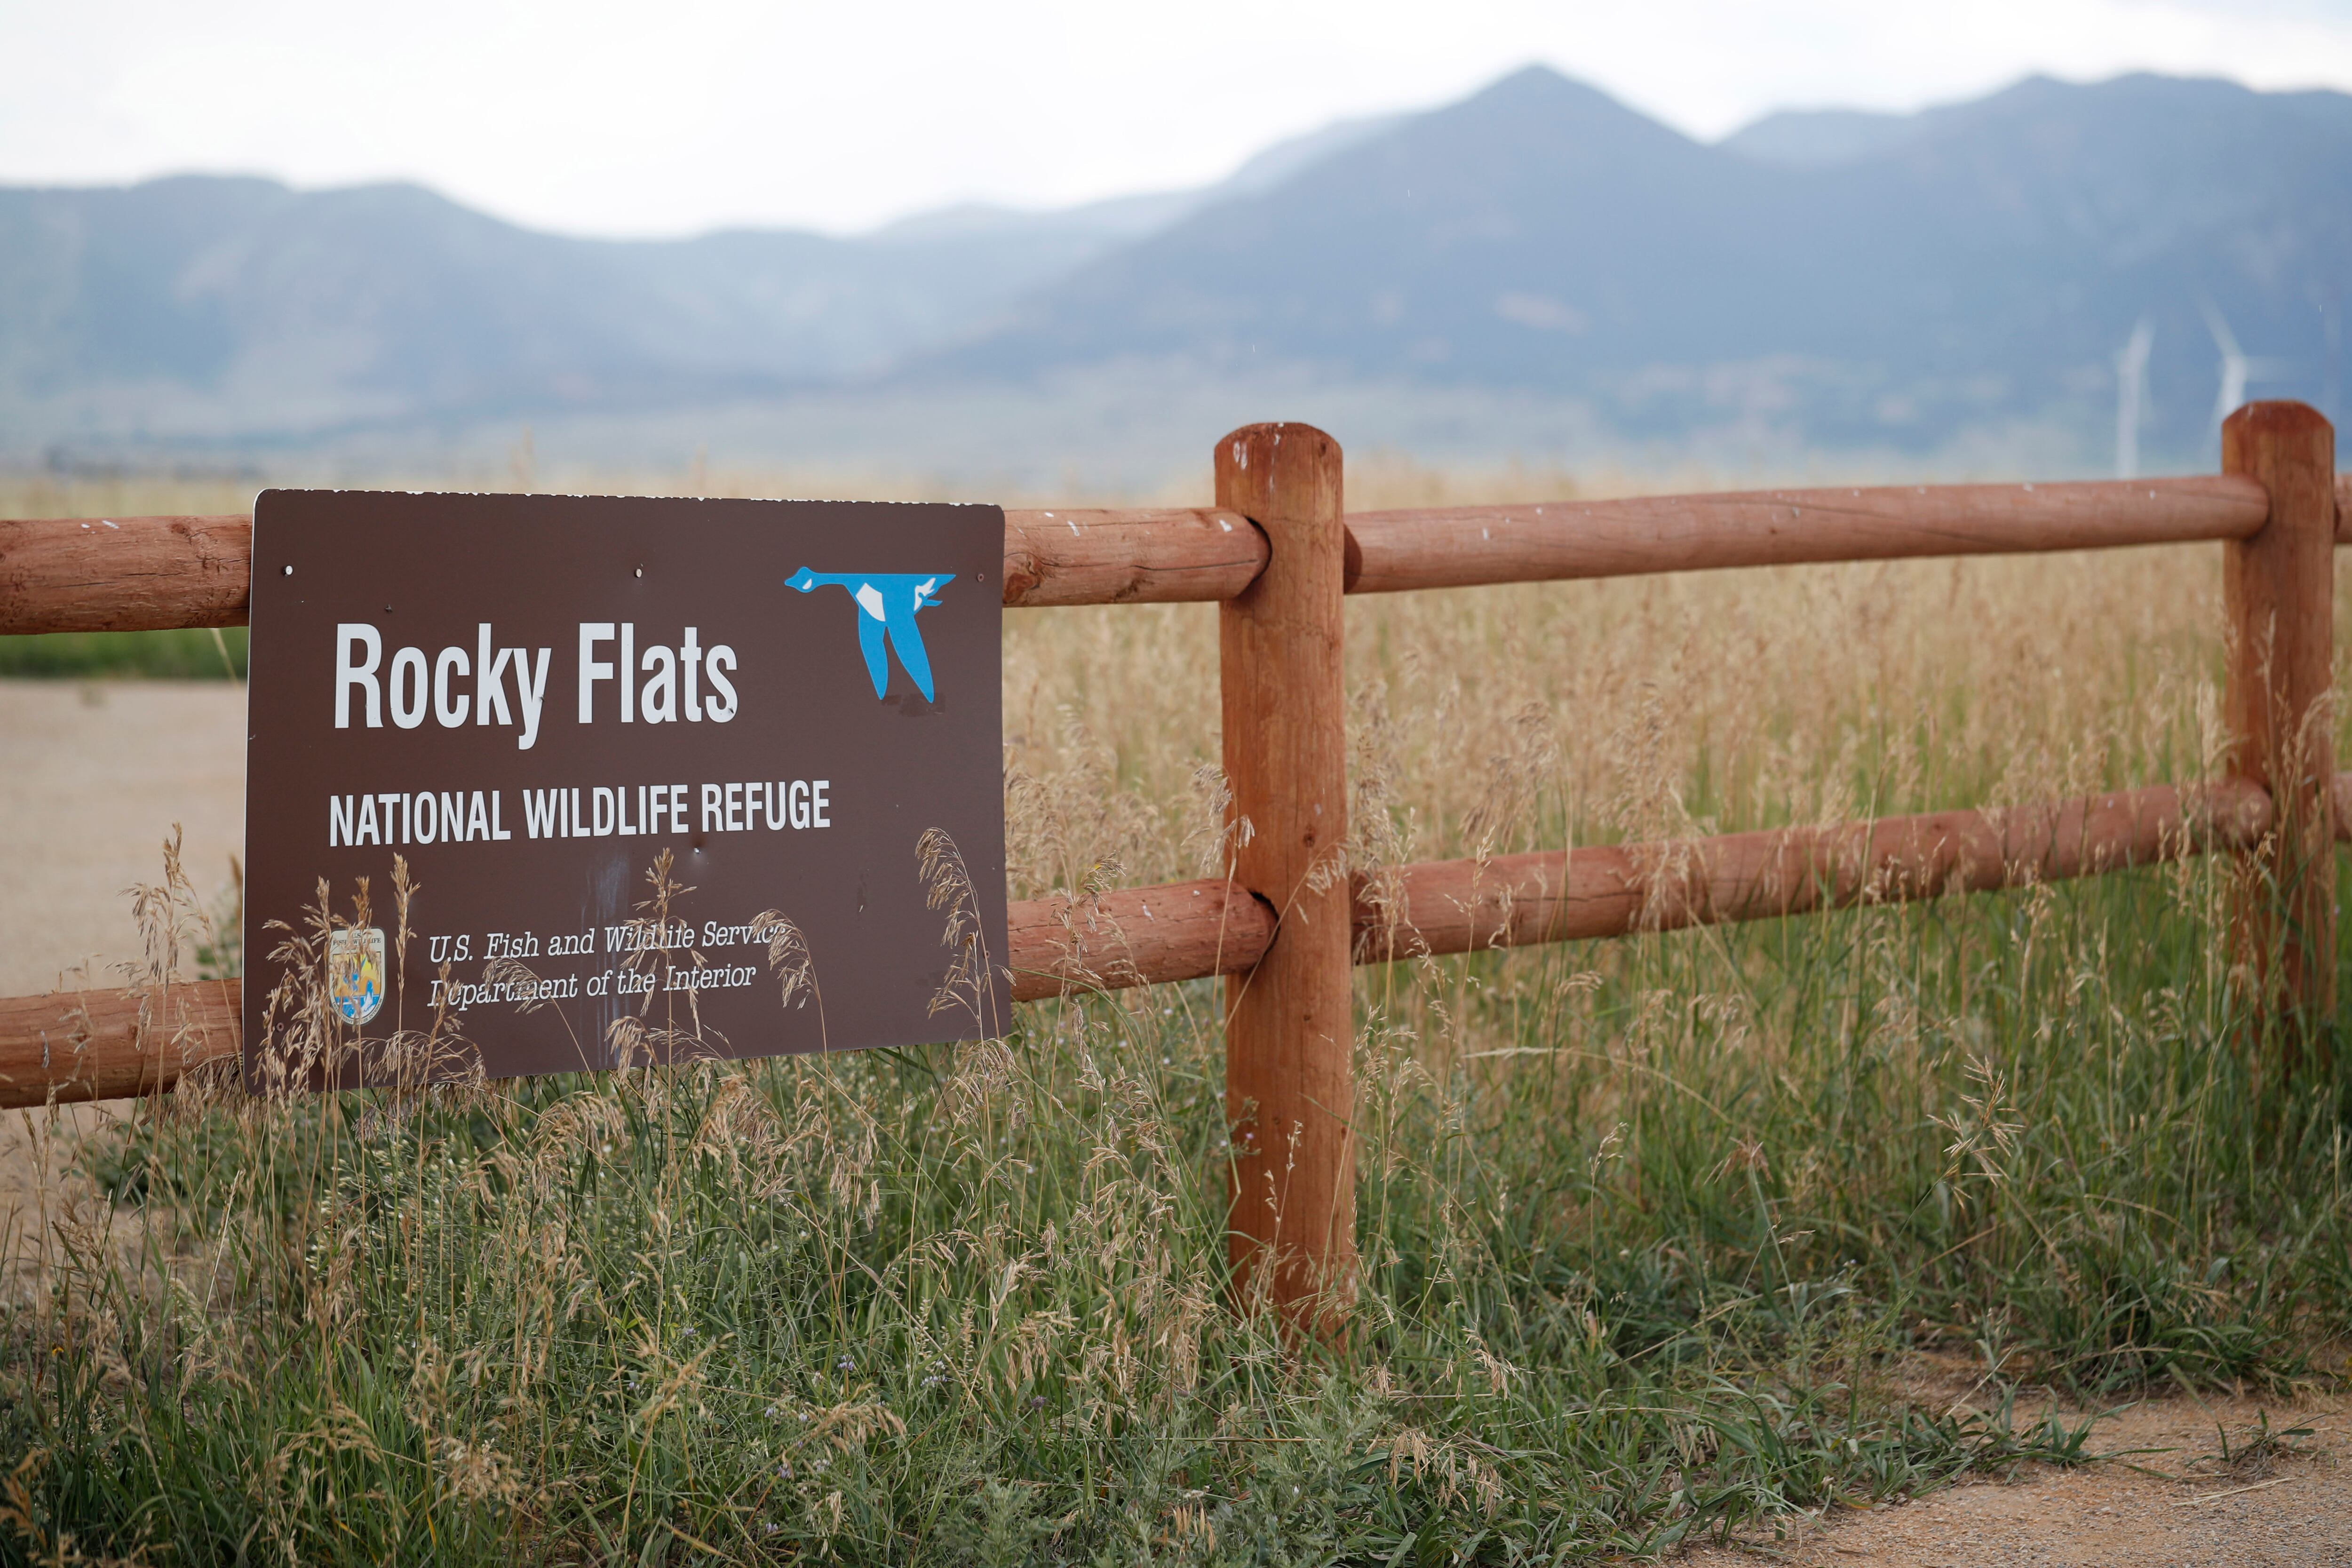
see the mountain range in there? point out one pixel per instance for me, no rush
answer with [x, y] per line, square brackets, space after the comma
[1819, 280]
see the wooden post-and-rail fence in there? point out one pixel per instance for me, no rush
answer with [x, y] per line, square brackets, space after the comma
[1278, 553]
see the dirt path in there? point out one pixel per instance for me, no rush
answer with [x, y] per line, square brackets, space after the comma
[2286, 1504]
[92, 776]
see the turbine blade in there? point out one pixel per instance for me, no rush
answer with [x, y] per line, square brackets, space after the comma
[2224, 339]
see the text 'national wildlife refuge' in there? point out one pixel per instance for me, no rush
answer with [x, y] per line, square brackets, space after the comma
[529, 774]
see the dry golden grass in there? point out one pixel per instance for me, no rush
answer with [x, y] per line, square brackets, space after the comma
[1507, 718]
[1642, 1223]
[1525, 716]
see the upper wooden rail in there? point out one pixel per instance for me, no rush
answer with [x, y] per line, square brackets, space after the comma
[1133, 556]
[155, 573]
[113, 1044]
[150, 573]
[1452, 547]
[125, 573]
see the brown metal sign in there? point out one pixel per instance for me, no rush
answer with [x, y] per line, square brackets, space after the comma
[662, 779]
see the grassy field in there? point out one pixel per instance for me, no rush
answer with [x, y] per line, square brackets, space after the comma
[1652, 1229]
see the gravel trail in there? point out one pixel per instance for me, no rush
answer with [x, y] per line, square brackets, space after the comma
[92, 776]
[2291, 1510]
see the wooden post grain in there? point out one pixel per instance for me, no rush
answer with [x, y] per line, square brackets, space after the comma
[2279, 588]
[1289, 1022]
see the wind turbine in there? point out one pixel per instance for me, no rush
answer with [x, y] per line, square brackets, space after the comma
[2131, 396]
[2237, 370]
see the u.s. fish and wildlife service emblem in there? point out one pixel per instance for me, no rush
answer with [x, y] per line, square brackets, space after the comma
[355, 972]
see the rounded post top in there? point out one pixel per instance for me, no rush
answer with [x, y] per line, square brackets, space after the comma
[2275, 418]
[2284, 443]
[1277, 430]
[1260, 445]
[1270, 473]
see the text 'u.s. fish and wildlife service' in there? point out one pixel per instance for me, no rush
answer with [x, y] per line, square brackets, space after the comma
[540, 784]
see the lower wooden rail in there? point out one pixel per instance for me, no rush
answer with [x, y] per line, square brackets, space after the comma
[114, 1044]
[1517, 900]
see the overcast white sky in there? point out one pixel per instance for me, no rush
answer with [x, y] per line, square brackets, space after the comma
[594, 116]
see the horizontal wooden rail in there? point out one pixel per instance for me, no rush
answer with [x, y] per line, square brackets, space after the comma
[156, 573]
[1516, 900]
[1453, 547]
[113, 1044]
[1134, 936]
[151, 573]
[109, 1045]
[125, 573]
[1128, 557]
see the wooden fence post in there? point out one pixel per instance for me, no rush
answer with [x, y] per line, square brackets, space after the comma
[1290, 1022]
[2279, 586]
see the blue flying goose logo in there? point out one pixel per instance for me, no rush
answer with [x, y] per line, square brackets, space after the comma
[887, 605]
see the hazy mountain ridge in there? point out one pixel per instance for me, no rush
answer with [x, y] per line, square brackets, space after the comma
[210, 308]
[1819, 279]
[1984, 263]
[1812, 138]
[310, 310]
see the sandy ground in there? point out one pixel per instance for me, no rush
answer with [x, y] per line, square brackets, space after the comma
[94, 776]
[2181, 1504]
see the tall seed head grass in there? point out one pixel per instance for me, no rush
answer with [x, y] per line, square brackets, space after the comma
[1660, 1236]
